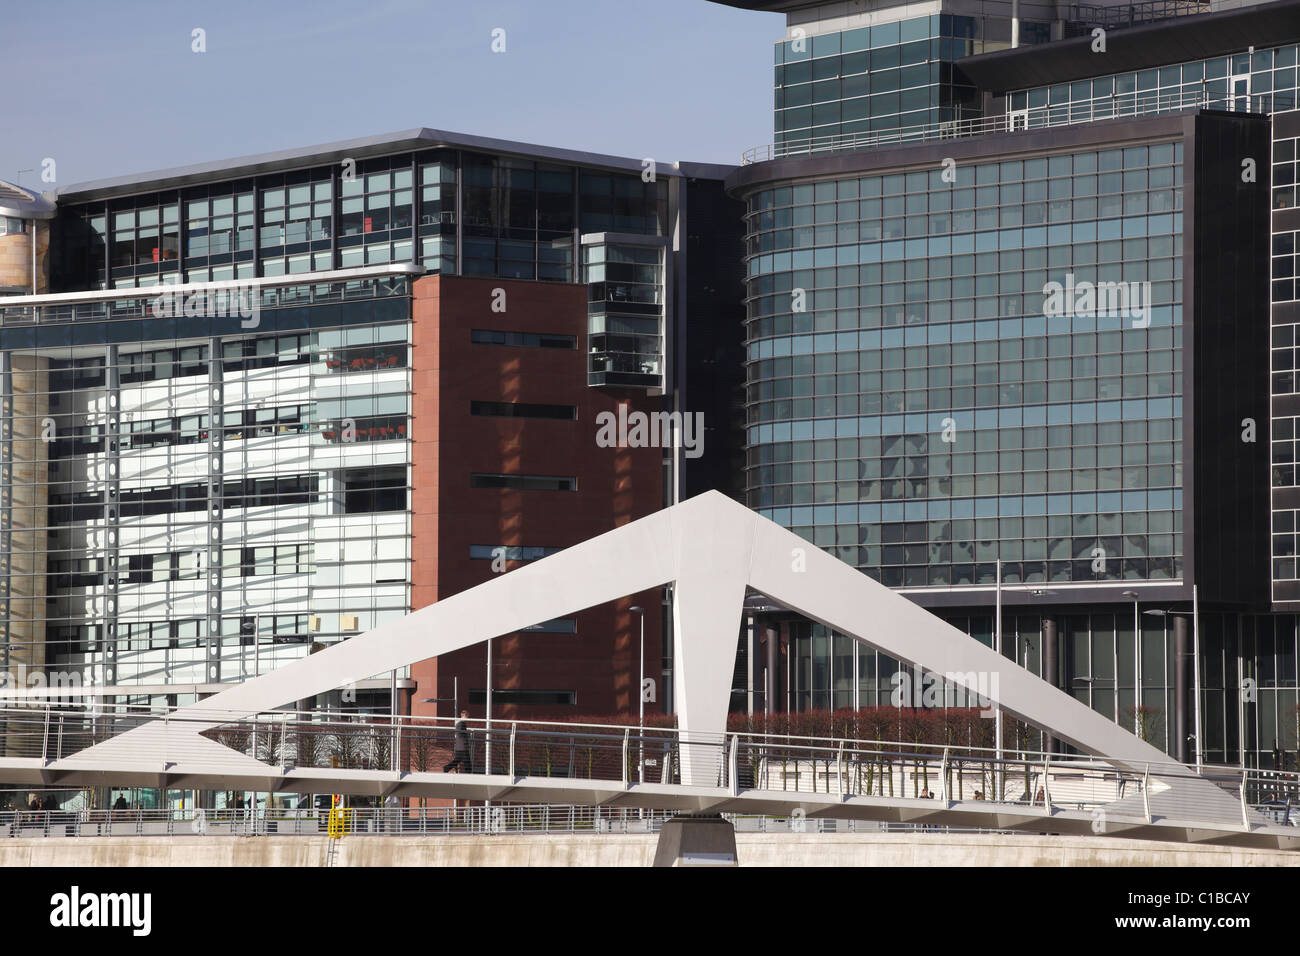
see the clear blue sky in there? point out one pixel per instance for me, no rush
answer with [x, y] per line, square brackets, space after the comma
[111, 88]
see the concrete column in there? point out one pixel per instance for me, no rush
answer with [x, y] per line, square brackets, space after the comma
[1182, 688]
[1051, 665]
[772, 688]
[754, 662]
[1051, 670]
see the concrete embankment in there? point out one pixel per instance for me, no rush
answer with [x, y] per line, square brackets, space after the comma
[773, 849]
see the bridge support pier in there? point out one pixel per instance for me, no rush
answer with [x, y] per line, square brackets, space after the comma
[696, 839]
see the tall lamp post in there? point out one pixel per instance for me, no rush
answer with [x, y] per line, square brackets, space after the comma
[997, 646]
[640, 696]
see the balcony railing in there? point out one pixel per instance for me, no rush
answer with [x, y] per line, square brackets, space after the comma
[1116, 106]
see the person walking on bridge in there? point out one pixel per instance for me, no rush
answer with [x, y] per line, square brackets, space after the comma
[460, 750]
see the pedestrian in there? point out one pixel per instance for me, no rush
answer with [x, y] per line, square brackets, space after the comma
[460, 749]
[120, 803]
[393, 813]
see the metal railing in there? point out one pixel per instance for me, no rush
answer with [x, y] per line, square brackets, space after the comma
[222, 298]
[1081, 17]
[1117, 106]
[409, 821]
[625, 756]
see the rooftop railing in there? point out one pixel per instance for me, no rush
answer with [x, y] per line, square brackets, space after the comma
[1082, 17]
[1117, 106]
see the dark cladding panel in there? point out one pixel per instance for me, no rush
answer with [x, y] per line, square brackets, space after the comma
[1229, 327]
[713, 341]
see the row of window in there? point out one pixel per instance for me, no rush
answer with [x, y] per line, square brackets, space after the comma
[364, 490]
[131, 636]
[1286, 245]
[943, 464]
[1020, 443]
[523, 410]
[1069, 400]
[240, 355]
[966, 213]
[237, 426]
[373, 212]
[1104, 551]
[510, 552]
[1032, 572]
[850, 510]
[1268, 75]
[932, 239]
[1082, 528]
[187, 565]
[1286, 172]
[535, 340]
[964, 363]
[524, 482]
[1112, 305]
[1034, 266]
[939, 322]
[995, 175]
[1015, 493]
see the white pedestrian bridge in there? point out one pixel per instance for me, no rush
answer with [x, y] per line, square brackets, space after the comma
[617, 767]
[715, 552]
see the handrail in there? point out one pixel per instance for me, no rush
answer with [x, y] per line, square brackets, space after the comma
[595, 739]
[943, 778]
[626, 734]
[1047, 788]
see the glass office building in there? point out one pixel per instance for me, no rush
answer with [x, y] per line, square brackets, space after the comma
[213, 411]
[923, 401]
[922, 417]
[198, 498]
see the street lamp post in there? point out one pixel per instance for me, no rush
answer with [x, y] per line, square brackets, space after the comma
[997, 646]
[1196, 672]
[640, 694]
